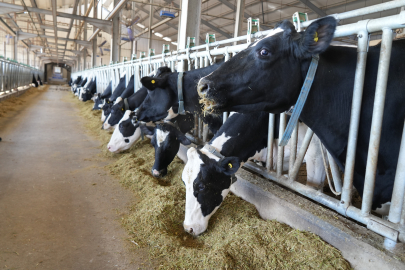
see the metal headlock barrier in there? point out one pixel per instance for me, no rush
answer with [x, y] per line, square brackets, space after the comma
[14, 74]
[393, 227]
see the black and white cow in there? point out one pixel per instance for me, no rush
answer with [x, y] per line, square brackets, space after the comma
[34, 81]
[90, 90]
[81, 90]
[119, 108]
[208, 178]
[133, 101]
[75, 83]
[69, 83]
[268, 76]
[166, 139]
[119, 89]
[100, 99]
[126, 133]
[39, 80]
[162, 99]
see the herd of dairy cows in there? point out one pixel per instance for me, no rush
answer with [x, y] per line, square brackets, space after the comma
[264, 78]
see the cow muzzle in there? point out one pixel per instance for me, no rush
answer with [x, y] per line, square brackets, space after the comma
[203, 87]
[158, 174]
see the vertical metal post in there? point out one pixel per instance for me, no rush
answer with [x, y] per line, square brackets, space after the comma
[270, 142]
[280, 157]
[189, 23]
[115, 36]
[240, 10]
[301, 154]
[86, 6]
[150, 25]
[94, 62]
[225, 114]
[15, 48]
[398, 192]
[376, 123]
[337, 181]
[293, 147]
[354, 118]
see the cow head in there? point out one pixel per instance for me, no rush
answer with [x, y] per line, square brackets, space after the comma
[106, 109]
[166, 141]
[98, 103]
[117, 112]
[268, 75]
[125, 134]
[86, 95]
[160, 99]
[208, 180]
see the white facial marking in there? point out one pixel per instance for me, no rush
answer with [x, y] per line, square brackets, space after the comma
[171, 114]
[117, 142]
[117, 100]
[161, 136]
[272, 33]
[107, 126]
[219, 141]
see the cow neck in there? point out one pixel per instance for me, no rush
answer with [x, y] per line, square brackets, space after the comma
[328, 104]
[299, 105]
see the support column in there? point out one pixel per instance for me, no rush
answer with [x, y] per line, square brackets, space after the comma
[150, 25]
[86, 6]
[115, 35]
[15, 48]
[240, 10]
[28, 56]
[190, 22]
[95, 38]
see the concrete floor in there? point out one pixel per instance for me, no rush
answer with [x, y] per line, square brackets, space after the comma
[58, 207]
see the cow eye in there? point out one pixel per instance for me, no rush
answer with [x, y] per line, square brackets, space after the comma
[264, 52]
[126, 140]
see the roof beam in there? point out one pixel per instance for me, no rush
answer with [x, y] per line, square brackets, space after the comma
[7, 7]
[314, 8]
[245, 14]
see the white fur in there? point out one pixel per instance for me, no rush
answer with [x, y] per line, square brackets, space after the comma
[272, 33]
[219, 141]
[117, 100]
[106, 125]
[117, 142]
[161, 136]
[171, 114]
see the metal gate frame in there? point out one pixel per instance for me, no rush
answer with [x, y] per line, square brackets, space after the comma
[392, 229]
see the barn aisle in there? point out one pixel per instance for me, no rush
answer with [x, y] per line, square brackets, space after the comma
[57, 204]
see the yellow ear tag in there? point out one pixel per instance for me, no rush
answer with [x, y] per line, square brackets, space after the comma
[316, 37]
[152, 81]
[230, 165]
[122, 109]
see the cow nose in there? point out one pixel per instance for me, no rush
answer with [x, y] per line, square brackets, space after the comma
[203, 86]
[155, 173]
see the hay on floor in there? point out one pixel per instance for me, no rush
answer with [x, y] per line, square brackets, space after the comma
[237, 238]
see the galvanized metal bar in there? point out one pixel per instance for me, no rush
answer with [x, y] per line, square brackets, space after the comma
[355, 117]
[280, 157]
[301, 154]
[293, 147]
[337, 180]
[270, 142]
[398, 193]
[376, 123]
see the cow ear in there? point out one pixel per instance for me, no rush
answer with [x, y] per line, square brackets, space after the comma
[183, 139]
[229, 165]
[151, 83]
[147, 130]
[317, 37]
